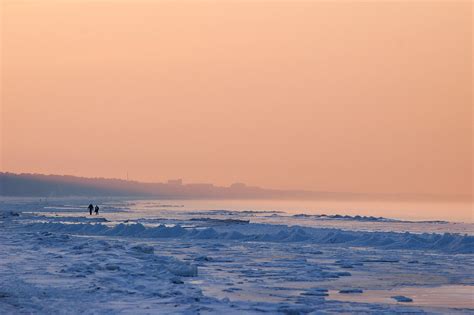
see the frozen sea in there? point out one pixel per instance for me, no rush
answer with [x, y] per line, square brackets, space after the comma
[236, 257]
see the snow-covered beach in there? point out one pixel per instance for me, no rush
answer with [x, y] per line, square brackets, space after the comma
[56, 259]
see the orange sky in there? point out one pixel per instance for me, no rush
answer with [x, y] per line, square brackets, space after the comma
[339, 96]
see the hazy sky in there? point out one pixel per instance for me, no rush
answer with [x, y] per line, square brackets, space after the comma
[336, 96]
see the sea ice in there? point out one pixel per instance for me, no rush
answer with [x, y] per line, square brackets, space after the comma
[401, 298]
[62, 262]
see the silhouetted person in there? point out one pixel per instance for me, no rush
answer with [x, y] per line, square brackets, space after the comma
[96, 210]
[91, 207]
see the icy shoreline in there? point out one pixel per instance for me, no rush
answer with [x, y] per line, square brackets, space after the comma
[451, 243]
[81, 264]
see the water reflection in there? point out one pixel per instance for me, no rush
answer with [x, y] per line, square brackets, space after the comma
[446, 296]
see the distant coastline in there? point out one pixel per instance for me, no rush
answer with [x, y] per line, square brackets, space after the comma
[40, 185]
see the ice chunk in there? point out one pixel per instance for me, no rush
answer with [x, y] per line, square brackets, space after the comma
[143, 249]
[112, 267]
[350, 291]
[401, 298]
[316, 292]
[203, 258]
[183, 270]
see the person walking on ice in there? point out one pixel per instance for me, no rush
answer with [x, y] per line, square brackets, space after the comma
[96, 210]
[91, 207]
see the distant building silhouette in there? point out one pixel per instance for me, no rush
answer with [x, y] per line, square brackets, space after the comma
[175, 182]
[238, 186]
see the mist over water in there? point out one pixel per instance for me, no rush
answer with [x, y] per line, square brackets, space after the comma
[403, 210]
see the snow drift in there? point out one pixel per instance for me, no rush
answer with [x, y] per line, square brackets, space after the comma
[451, 243]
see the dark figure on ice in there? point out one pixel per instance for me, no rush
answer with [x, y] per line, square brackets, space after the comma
[91, 207]
[96, 210]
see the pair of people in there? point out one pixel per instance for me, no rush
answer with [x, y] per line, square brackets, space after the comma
[96, 209]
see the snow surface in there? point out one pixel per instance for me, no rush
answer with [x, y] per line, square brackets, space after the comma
[56, 259]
